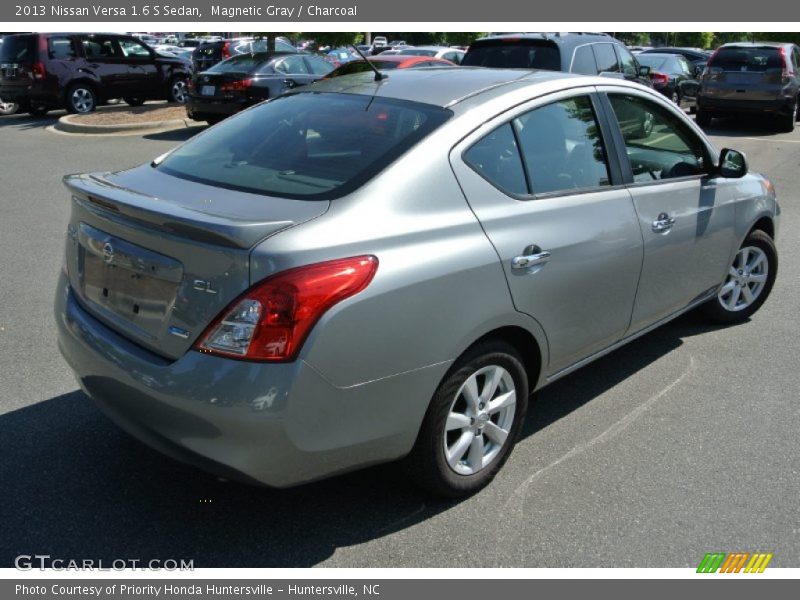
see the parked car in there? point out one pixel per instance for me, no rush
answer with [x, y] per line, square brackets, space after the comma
[452, 54]
[241, 81]
[207, 54]
[341, 277]
[342, 55]
[673, 76]
[750, 78]
[189, 43]
[78, 71]
[697, 57]
[385, 62]
[584, 53]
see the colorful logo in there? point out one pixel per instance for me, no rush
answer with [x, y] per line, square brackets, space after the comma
[734, 563]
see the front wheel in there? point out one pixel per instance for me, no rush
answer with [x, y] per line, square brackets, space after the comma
[748, 283]
[472, 422]
[178, 92]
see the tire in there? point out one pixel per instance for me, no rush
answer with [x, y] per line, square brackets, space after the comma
[787, 121]
[702, 117]
[177, 91]
[133, 100]
[81, 99]
[756, 275]
[8, 108]
[487, 436]
[37, 110]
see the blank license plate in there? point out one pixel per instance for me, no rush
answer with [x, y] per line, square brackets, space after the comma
[207, 90]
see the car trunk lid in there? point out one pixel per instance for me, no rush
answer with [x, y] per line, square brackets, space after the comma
[158, 264]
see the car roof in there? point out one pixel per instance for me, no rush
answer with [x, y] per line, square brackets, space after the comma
[555, 36]
[755, 44]
[447, 86]
[429, 48]
[664, 55]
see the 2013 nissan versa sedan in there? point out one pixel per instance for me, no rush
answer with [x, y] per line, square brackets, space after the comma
[361, 271]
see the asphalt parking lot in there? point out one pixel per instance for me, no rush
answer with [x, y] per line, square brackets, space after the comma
[683, 442]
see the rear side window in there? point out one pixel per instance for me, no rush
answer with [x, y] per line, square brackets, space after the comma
[496, 158]
[60, 48]
[100, 47]
[515, 54]
[747, 59]
[606, 58]
[583, 61]
[242, 63]
[306, 145]
[292, 65]
[562, 147]
[18, 48]
[318, 66]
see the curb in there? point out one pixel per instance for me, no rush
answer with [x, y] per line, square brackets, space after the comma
[66, 125]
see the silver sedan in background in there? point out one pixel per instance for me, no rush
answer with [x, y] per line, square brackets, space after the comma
[362, 271]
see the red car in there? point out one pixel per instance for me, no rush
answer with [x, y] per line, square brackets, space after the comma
[393, 61]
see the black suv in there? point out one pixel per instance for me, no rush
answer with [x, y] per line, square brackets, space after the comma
[78, 71]
[572, 52]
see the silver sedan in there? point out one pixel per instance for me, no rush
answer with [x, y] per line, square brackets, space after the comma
[363, 271]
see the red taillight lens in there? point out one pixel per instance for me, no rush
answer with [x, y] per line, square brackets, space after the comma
[271, 321]
[236, 86]
[659, 78]
[38, 70]
[226, 50]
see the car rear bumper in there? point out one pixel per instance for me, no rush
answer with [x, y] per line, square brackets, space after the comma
[710, 103]
[275, 424]
[24, 94]
[198, 108]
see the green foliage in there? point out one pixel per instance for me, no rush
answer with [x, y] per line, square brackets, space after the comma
[693, 39]
[461, 38]
[334, 39]
[634, 38]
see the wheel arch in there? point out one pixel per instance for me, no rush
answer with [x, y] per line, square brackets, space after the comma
[85, 80]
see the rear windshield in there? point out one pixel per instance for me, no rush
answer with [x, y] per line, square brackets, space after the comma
[306, 145]
[243, 63]
[747, 59]
[18, 48]
[513, 54]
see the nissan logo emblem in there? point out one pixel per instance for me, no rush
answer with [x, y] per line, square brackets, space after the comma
[108, 252]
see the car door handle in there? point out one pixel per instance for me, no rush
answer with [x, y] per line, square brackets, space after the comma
[530, 260]
[663, 223]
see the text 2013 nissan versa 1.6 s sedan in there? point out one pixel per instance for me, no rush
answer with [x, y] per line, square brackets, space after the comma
[365, 271]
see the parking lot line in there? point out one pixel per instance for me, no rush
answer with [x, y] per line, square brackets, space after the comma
[757, 139]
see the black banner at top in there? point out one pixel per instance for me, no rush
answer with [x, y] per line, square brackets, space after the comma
[462, 11]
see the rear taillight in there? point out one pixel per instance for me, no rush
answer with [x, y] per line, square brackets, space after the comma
[236, 86]
[785, 75]
[659, 78]
[226, 50]
[38, 70]
[272, 319]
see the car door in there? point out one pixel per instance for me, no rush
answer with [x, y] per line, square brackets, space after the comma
[103, 58]
[539, 180]
[686, 213]
[295, 71]
[143, 78]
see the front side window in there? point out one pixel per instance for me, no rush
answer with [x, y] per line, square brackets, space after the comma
[562, 148]
[658, 144]
[306, 145]
[626, 60]
[133, 49]
[318, 66]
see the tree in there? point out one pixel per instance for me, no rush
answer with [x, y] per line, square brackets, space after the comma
[461, 38]
[693, 39]
[634, 38]
[334, 39]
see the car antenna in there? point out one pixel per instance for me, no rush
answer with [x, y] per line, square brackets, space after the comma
[378, 75]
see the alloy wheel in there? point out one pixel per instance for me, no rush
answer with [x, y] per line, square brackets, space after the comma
[481, 415]
[179, 91]
[746, 279]
[82, 100]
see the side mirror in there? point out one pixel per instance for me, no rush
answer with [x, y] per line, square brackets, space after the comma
[732, 164]
[698, 70]
[644, 71]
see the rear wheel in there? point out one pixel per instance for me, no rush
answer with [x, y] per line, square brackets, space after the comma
[81, 99]
[7, 108]
[133, 100]
[472, 422]
[787, 121]
[702, 117]
[748, 283]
